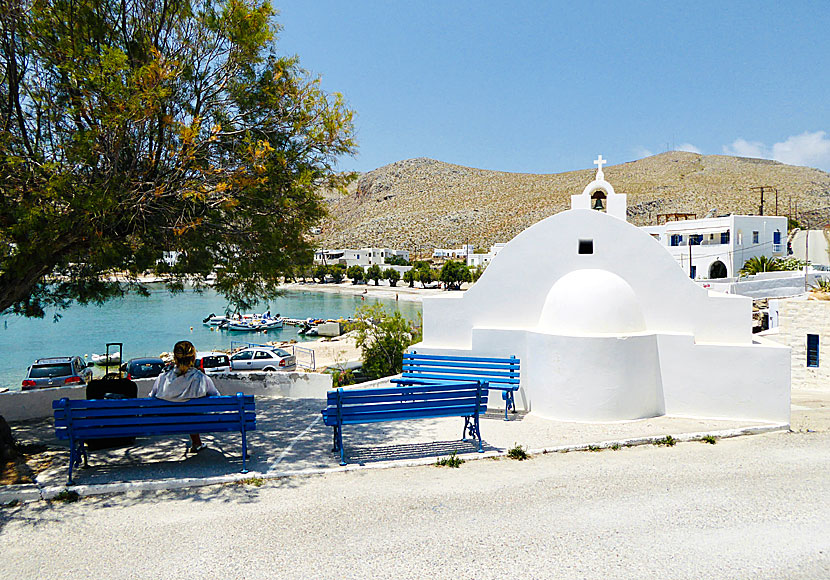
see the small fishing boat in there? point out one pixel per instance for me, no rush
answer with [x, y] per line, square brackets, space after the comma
[114, 358]
[213, 320]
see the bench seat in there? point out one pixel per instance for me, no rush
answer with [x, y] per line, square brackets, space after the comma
[82, 420]
[494, 373]
[351, 406]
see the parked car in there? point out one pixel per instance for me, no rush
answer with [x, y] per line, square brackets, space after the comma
[213, 362]
[57, 372]
[143, 368]
[260, 358]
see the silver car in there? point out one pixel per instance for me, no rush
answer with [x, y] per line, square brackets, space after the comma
[57, 372]
[262, 358]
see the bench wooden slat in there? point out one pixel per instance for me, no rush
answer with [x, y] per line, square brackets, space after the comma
[427, 388]
[111, 412]
[417, 356]
[357, 418]
[138, 422]
[417, 371]
[150, 402]
[415, 406]
[153, 430]
[435, 377]
[369, 397]
[507, 366]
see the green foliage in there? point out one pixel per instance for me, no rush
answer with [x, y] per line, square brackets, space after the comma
[396, 261]
[355, 273]
[758, 264]
[518, 452]
[337, 272]
[382, 337]
[821, 285]
[792, 264]
[128, 129]
[453, 274]
[67, 496]
[425, 274]
[475, 273]
[793, 224]
[709, 439]
[255, 481]
[374, 272]
[667, 441]
[320, 273]
[452, 461]
[594, 448]
[616, 447]
[392, 275]
[342, 378]
[410, 277]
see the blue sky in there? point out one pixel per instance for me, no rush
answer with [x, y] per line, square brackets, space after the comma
[543, 87]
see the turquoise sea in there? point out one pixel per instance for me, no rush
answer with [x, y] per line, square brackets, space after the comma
[151, 325]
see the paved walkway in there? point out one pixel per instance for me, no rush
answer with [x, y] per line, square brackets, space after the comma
[292, 439]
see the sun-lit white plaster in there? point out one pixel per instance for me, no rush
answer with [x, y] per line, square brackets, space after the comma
[615, 334]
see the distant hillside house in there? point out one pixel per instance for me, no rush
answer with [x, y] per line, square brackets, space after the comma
[719, 247]
[475, 260]
[361, 257]
[446, 253]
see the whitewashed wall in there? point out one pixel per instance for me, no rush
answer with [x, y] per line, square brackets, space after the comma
[797, 319]
[24, 405]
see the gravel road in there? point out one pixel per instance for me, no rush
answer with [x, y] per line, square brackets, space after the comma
[751, 507]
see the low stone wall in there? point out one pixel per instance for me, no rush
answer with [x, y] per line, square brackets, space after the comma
[23, 405]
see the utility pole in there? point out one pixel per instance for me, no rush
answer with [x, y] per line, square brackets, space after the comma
[762, 189]
[806, 258]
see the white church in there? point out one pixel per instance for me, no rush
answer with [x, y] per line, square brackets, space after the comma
[608, 328]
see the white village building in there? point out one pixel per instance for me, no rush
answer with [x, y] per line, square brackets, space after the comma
[475, 260]
[608, 328]
[712, 248]
[360, 257]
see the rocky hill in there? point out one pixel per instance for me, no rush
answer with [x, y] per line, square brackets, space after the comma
[419, 204]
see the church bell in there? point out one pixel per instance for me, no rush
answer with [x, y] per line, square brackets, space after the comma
[598, 204]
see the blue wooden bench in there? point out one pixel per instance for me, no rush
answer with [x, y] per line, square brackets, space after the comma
[79, 420]
[398, 403]
[494, 373]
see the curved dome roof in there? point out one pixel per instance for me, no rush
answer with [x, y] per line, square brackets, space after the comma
[591, 302]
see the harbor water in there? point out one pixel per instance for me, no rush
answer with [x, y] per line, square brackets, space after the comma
[151, 325]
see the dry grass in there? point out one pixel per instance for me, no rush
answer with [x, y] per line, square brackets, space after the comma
[419, 204]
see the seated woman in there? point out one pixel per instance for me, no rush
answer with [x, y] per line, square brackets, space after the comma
[184, 382]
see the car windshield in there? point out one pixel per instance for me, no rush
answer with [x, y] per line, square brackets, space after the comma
[210, 362]
[143, 370]
[279, 352]
[50, 371]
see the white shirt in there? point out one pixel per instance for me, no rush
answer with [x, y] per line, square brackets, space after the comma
[178, 388]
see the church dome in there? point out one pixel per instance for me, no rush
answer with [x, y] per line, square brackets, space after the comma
[591, 302]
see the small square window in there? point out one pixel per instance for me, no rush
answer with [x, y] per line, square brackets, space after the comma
[754, 237]
[586, 246]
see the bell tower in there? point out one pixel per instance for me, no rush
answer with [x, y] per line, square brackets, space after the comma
[599, 195]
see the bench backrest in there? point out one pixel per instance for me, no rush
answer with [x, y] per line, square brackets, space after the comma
[353, 406]
[499, 373]
[105, 418]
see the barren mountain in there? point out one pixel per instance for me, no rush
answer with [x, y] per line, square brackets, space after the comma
[419, 204]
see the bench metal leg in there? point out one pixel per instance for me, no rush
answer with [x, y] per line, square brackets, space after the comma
[338, 443]
[244, 450]
[509, 403]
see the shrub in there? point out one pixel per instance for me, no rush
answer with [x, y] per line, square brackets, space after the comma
[668, 441]
[392, 275]
[382, 338]
[374, 273]
[452, 461]
[709, 439]
[517, 452]
[337, 272]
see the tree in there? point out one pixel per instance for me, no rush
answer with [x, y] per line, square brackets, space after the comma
[355, 273]
[453, 274]
[475, 273]
[320, 273]
[396, 261]
[337, 272]
[410, 276]
[373, 272]
[758, 264]
[382, 337]
[426, 275]
[392, 275]
[129, 129]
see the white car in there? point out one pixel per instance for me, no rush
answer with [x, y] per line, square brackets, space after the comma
[260, 358]
[213, 362]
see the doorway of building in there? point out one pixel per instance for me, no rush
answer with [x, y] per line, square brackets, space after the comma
[717, 269]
